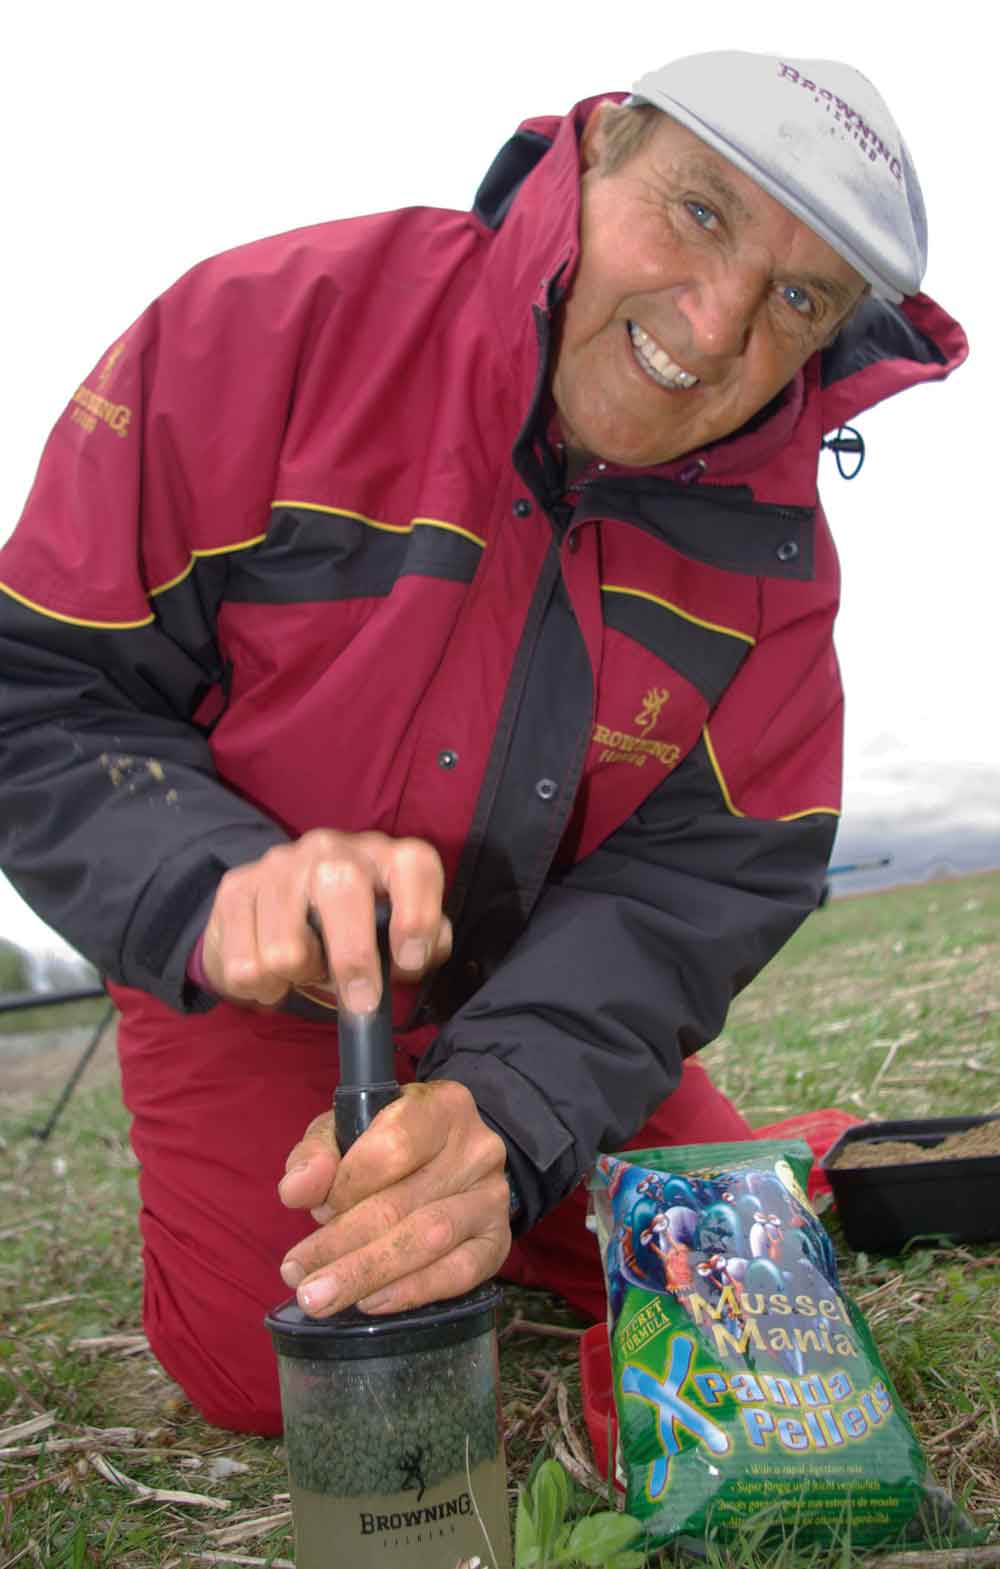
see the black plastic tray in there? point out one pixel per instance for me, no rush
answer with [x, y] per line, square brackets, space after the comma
[882, 1208]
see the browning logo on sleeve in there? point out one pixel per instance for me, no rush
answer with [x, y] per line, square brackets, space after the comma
[107, 369]
[89, 407]
[620, 746]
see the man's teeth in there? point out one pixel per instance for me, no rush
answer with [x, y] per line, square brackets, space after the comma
[663, 370]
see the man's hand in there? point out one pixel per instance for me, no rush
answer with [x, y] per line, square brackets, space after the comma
[259, 941]
[416, 1211]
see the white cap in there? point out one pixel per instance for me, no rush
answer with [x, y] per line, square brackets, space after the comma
[817, 137]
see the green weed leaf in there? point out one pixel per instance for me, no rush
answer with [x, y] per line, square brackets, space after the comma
[526, 1551]
[600, 1536]
[549, 1500]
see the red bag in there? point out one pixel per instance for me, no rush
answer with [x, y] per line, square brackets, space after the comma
[821, 1130]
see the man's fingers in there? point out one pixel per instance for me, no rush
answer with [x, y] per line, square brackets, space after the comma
[444, 944]
[318, 1138]
[411, 1137]
[382, 1214]
[395, 1146]
[391, 1178]
[343, 888]
[468, 1266]
[311, 1167]
[230, 953]
[432, 1236]
[424, 1182]
[260, 940]
[307, 1184]
[414, 878]
[287, 944]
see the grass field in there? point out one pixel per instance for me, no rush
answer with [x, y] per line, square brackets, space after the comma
[887, 1006]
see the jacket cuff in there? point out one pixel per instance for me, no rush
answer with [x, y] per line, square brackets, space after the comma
[173, 912]
[198, 995]
[542, 1159]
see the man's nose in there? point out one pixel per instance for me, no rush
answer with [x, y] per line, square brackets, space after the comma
[720, 308]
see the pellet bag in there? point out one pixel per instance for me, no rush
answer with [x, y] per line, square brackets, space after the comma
[746, 1386]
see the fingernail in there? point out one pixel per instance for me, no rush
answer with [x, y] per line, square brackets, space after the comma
[360, 997]
[413, 954]
[292, 1273]
[377, 1301]
[318, 1295]
[322, 1214]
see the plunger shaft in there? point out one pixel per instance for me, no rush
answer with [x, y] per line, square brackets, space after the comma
[367, 1056]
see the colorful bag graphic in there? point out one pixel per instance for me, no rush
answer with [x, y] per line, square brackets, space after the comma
[746, 1385]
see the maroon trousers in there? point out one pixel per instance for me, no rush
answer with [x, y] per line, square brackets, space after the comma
[217, 1101]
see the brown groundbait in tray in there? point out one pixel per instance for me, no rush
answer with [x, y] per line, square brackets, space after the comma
[982, 1140]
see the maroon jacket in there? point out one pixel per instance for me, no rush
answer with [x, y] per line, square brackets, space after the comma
[299, 553]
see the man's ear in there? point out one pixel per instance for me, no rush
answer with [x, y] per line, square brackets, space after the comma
[592, 138]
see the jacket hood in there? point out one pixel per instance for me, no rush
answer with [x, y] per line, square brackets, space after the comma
[530, 198]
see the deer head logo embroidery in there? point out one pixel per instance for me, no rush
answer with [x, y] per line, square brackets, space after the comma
[652, 706]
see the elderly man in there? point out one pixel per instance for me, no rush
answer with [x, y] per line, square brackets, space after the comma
[475, 560]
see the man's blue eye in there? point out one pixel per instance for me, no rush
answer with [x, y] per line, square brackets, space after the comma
[700, 213]
[797, 298]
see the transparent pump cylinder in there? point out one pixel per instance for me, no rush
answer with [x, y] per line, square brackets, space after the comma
[393, 1436]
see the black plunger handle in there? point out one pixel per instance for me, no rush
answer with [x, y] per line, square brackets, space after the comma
[367, 1056]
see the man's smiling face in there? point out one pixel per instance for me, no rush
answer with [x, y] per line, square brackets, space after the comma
[696, 299]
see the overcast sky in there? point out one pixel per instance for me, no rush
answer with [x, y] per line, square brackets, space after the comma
[139, 139]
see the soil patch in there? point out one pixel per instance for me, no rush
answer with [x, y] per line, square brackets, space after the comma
[981, 1140]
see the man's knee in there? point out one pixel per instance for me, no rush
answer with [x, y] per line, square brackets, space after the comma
[237, 1390]
[207, 1331]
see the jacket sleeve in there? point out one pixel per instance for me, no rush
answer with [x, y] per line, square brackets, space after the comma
[631, 958]
[113, 824]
